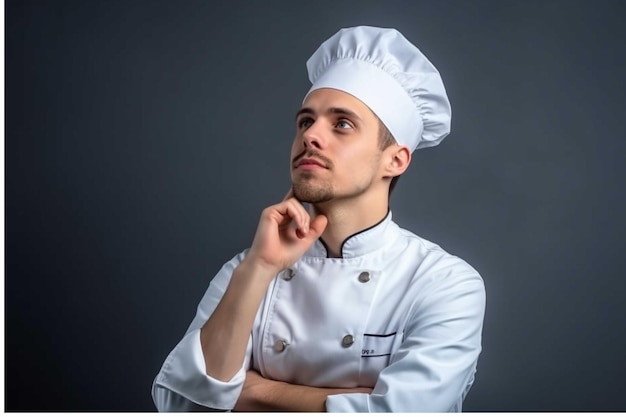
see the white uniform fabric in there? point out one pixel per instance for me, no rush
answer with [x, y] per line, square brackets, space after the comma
[396, 313]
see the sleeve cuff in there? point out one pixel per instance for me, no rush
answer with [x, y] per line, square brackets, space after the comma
[184, 372]
[347, 403]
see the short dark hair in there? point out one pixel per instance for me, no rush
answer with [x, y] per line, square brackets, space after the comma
[385, 140]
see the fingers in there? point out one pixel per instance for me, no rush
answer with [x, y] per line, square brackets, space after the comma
[316, 229]
[290, 194]
[296, 212]
[302, 226]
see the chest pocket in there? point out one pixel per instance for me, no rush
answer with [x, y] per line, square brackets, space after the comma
[376, 351]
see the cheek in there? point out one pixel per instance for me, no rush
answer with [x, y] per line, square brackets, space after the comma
[359, 162]
[353, 156]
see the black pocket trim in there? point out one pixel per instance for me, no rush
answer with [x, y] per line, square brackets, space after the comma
[380, 335]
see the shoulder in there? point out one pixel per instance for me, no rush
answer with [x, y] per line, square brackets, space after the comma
[435, 265]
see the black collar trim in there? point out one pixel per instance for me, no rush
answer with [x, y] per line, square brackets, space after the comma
[353, 235]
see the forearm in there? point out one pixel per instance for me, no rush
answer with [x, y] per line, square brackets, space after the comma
[224, 337]
[260, 394]
[280, 396]
[276, 245]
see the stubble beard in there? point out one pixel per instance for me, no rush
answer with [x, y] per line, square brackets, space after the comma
[307, 192]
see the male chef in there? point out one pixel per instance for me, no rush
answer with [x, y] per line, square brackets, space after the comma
[335, 307]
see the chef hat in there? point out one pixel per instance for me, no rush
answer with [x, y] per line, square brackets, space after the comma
[391, 76]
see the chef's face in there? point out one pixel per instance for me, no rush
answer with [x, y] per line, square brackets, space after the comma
[336, 152]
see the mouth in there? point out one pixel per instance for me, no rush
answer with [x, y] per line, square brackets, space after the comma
[309, 163]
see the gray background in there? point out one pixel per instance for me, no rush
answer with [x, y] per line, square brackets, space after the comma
[143, 138]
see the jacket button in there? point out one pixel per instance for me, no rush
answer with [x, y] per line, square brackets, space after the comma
[288, 274]
[280, 345]
[347, 340]
[364, 277]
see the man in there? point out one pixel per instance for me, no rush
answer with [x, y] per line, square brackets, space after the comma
[337, 308]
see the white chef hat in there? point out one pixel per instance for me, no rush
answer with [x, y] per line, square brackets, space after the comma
[391, 76]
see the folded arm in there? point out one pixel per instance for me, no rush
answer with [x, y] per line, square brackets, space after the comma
[261, 394]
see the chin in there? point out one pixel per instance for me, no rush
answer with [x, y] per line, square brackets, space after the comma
[314, 195]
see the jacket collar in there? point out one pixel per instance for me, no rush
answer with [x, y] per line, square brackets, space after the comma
[360, 243]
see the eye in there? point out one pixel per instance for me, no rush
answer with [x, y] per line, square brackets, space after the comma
[343, 124]
[304, 122]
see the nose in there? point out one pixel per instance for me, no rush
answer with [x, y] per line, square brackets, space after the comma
[313, 136]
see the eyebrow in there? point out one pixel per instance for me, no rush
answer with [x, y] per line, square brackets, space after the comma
[332, 110]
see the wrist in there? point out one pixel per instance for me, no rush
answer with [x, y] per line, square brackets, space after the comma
[257, 269]
[264, 395]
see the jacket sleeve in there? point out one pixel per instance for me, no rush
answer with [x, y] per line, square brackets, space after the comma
[434, 366]
[182, 383]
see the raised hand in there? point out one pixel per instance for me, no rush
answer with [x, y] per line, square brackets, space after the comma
[284, 233]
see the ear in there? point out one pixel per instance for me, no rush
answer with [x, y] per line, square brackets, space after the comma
[397, 160]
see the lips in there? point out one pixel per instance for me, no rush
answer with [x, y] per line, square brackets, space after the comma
[309, 162]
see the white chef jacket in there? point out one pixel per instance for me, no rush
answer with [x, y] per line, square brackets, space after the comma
[395, 312]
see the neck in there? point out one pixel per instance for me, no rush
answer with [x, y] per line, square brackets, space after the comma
[347, 217]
